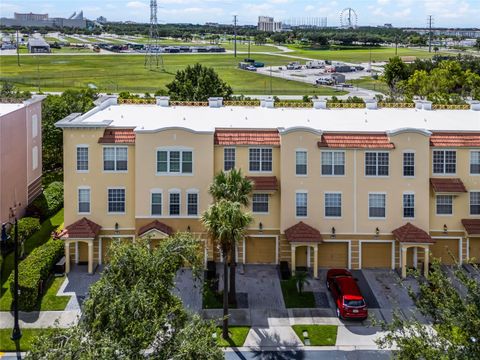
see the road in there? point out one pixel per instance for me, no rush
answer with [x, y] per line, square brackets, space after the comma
[309, 354]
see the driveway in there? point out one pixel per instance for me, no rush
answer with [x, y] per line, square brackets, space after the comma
[189, 289]
[77, 285]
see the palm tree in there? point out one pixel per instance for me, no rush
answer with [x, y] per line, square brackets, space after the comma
[225, 222]
[301, 279]
[232, 186]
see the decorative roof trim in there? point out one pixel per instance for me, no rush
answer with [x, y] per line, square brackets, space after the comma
[399, 131]
[285, 131]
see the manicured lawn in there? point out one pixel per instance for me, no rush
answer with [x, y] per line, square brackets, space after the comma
[115, 73]
[368, 83]
[50, 301]
[319, 335]
[28, 336]
[293, 299]
[212, 300]
[238, 334]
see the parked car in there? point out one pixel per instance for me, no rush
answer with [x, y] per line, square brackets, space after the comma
[324, 81]
[315, 64]
[359, 68]
[346, 293]
[294, 66]
[251, 68]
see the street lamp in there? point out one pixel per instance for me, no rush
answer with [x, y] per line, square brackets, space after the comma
[16, 333]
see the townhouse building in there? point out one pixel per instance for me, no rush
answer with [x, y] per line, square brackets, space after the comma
[354, 188]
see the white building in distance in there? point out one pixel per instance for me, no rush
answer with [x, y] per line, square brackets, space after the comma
[266, 23]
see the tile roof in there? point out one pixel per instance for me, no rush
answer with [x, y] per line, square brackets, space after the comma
[302, 232]
[81, 229]
[472, 226]
[455, 140]
[246, 137]
[359, 141]
[411, 234]
[155, 225]
[447, 185]
[264, 182]
[117, 136]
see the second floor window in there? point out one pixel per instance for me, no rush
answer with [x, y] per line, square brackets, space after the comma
[116, 200]
[174, 205]
[84, 201]
[475, 162]
[376, 163]
[333, 205]
[156, 203]
[377, 206]
[174, 161]
[192, 204]
[260, 203]
[475, 203]
[409, 164]
[260, 159]
[444, 204]
[408, 206]
[301, 204]
[82, 158]
[228, 159]
[444, 162]
[333, 163]
[300, 162]
[115, 158]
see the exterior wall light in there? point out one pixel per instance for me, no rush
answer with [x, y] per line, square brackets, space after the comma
[333, 236]
[116, 228]
[260, 226]
[445, 228]
[377, 232]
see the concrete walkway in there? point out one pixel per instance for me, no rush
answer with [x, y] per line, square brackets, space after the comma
[41, 319]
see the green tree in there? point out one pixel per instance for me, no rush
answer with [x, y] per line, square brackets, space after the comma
[260, 39]
[131, 311]
[301, 279]
[477, 44]
[453, 331]
[395, 72]
[232, 186]
[225, 222]
[198, 83]
[279, 38]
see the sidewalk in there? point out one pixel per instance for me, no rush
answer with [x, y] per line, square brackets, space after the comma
[41, 319]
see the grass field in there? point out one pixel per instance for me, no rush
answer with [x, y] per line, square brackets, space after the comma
[371, 84]
[238, 334]
[293, 299]
[319, 335]
[357, 54]
[117, 73]
[28, 335]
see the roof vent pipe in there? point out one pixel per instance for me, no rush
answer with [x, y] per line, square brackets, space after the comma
[371, 104]
[474, 105]
[163, 100]
[319, 103]
[215, 102]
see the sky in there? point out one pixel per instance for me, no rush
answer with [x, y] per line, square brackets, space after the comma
[446, 13]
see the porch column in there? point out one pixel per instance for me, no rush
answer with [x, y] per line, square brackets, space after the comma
[90, 257]
[426, 260]
[67, 257]
[404, 261]
[315, 261]
[293, 259]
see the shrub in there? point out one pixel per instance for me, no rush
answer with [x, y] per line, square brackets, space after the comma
[48, 203]
[27, 226]
[35, 270]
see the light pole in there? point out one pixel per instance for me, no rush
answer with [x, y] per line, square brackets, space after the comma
[16, 333]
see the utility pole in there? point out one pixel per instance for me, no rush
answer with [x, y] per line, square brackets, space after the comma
[430, 20]
[235, 35]
[249, 46]
[18, 52]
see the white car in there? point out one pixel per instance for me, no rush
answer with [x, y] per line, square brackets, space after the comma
[323, 81]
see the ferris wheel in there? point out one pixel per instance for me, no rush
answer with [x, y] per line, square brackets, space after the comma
[348, 18]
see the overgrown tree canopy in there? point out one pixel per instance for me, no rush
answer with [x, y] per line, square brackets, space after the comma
[131, 312]
[198, 83]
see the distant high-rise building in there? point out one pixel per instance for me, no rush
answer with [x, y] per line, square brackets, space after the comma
[102, 19]
[266, 23]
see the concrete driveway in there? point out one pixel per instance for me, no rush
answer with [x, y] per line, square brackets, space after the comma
[189, 290]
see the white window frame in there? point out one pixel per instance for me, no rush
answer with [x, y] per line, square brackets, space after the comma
[306, 162]
[115, 159]
[436, 205]
[189, 192]
[414, 165]
[179, 192]
[34, 126]
[376, 164]
[470, 164]
[325, 204]
[234, 157]
[160, 192]
[333, 163]
[89, 200]
[125, 203]
[168, 150]
[470, 202]
[301, 192]
[368, 202]
[443, 173]
[261, 160]
[88, 158]
[403, 205]
[268, 204]
[35, 158]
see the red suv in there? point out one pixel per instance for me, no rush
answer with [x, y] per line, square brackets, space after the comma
[348, 298]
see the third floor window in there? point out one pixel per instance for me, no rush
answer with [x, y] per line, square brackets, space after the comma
[82, 158]
[409, 164]
[333, 163]
[300, 162]
[174, 161]
[115, 158]
[444, 162]
[228, 159]
[376, 163]
[260, 159]
[475, 162]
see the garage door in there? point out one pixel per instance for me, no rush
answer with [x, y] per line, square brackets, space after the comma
[105, 249]
[444, 249]
[474, 250]
[260, 250]
[376, 255]
[333, 255]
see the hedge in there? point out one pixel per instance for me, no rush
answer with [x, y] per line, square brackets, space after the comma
[27, 226]
[48, 203]
[35, 270]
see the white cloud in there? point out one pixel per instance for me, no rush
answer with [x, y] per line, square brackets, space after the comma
[137, 5]
[383, 2]
[309, 8]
